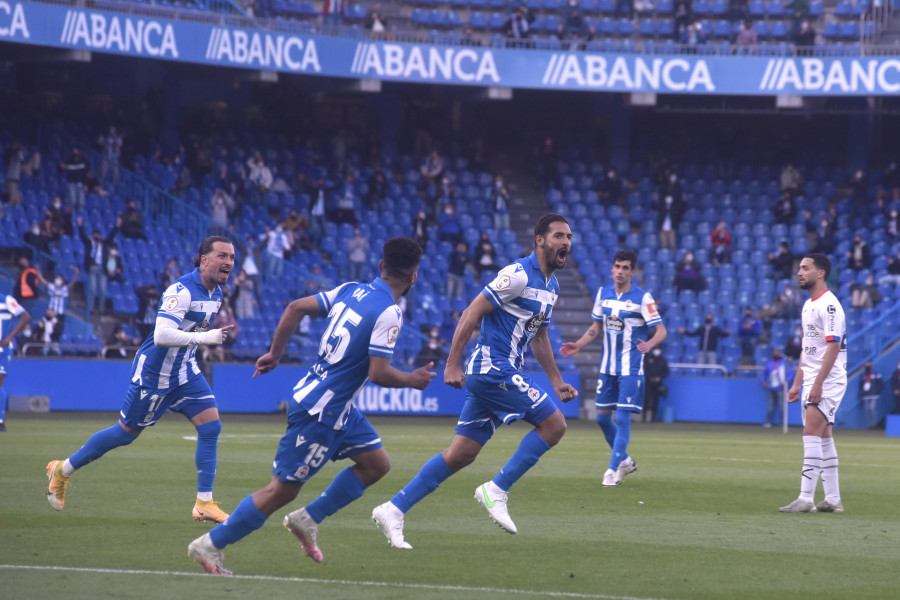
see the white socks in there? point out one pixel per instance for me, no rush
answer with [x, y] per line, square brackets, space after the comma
[830, 471]
[812, 466]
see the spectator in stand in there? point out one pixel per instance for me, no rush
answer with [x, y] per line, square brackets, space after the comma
[670, 206]
[721, 241]
[119, 344]
[60, 218]
[611, 191]
[420, 228]
[499, 197]
[92, 186]
[749, 331]
[115, 268]
[276, 245]
[432, 168]
[687, 274]
[518, 25]
[456, 270]
[693, 35]
[44, 333]
[775, 378]
[76, 169]
[572, 25]
[549, 159]
[746, 39]
[824, 234]
[375, 21]
[895, 389]
[378, 189]
[170, 273]
[96, 251]
[469, 38]
[891, 218]
[319, 212]
[683, 16]
[220, 205]
[25, 289]
[449, 226]
[485, 256]
[431, 351]
[865, 295]
[245, 303]
[296, 226]
[791, 180]
[259, 178]
[132, 222]
[782, 261]
[794, 346]
[250, 262]
[110, 153]
[333, 12]
[357, 255]
[893, 271]
[58, 292]
[799, 10]
[709, 334]
[789, 304]
[224, 317]
[37, 239]
[784, 209]
[859, 256]
[804, 38]
[346, 204]
[656, 369]
[148, 301]
[17, 167]
[870, 386]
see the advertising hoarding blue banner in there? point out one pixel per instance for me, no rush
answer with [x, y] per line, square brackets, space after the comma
[204, 43]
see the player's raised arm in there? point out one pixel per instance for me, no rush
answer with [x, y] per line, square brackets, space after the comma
[287, 325]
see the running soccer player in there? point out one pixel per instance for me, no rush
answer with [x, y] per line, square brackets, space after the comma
[514, 311]
[820, 384]
[165, 376]
[9, 309]
[625, 314]
[323, 420]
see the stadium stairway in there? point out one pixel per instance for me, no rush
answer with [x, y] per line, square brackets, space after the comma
[572, 312]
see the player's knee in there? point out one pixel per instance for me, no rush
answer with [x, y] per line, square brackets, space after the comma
[457, 459]
[210, 430]
[604, 418]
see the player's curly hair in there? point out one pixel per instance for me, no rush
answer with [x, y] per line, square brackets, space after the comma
[207, 247]
[821, 262]
[543, 225]
[401, 257]
[626, 255]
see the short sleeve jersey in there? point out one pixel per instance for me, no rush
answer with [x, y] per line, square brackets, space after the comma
[626, 318]
[823, 323]
[9, 310]
[523, 300]
[364, 321]
[192, 307]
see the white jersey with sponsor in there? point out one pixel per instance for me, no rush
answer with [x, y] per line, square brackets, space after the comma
[626, 318]
[823, 323]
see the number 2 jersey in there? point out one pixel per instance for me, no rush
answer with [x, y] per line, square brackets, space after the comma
[626, 318]
[823, 323]
[364, 321]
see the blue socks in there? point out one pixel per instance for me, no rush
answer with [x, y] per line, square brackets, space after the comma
[2, 403]
[205, 457]
[623, 436]
[608, 426]
[530, 449]
[245, 519]
[99, 444]
[345, 488]
[432, 474]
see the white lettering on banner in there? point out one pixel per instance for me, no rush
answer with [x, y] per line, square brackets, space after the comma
[373, 399]
[820, 75]
[16, 22]
[424, 62]
[124, 34]
[636, 73]
[268, 51]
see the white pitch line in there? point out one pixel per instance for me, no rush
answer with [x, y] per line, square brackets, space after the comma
[384, 584]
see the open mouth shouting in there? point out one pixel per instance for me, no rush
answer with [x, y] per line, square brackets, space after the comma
[561, 256]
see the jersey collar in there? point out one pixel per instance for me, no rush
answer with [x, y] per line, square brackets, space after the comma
[820, 295]
[380, 284]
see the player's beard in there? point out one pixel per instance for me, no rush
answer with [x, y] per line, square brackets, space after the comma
[550, 257]
[807, 285]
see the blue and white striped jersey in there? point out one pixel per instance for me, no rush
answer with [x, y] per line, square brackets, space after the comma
[523, 300]
[192, 307]
[9, 308]
[364, 321]
[626, 319]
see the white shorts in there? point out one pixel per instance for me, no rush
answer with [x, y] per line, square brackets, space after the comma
[828, 405]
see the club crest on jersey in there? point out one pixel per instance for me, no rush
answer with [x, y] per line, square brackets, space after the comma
[534, 323]
[503, 282]
[393, 333]
[533, 393]
[171, 303]
[628, 305]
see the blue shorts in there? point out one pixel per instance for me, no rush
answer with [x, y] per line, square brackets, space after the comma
[307, 444]
[5, 358]
[620, 392]
[144, 406]
[496, 398]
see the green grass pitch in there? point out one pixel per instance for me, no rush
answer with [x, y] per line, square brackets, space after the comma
[698, 520]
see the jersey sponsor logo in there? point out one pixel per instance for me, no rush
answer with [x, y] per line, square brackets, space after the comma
[503, 282]
[201, 326]
[534, 323]
[393, 333]
[614, 324]
[830, 309]
[653, 311]
[170, 304]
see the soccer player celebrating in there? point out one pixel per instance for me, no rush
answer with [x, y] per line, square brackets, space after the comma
[165, 376]
[625, 314]
[9, 308]
[323, 420]
[514, 311]
[820, 384]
